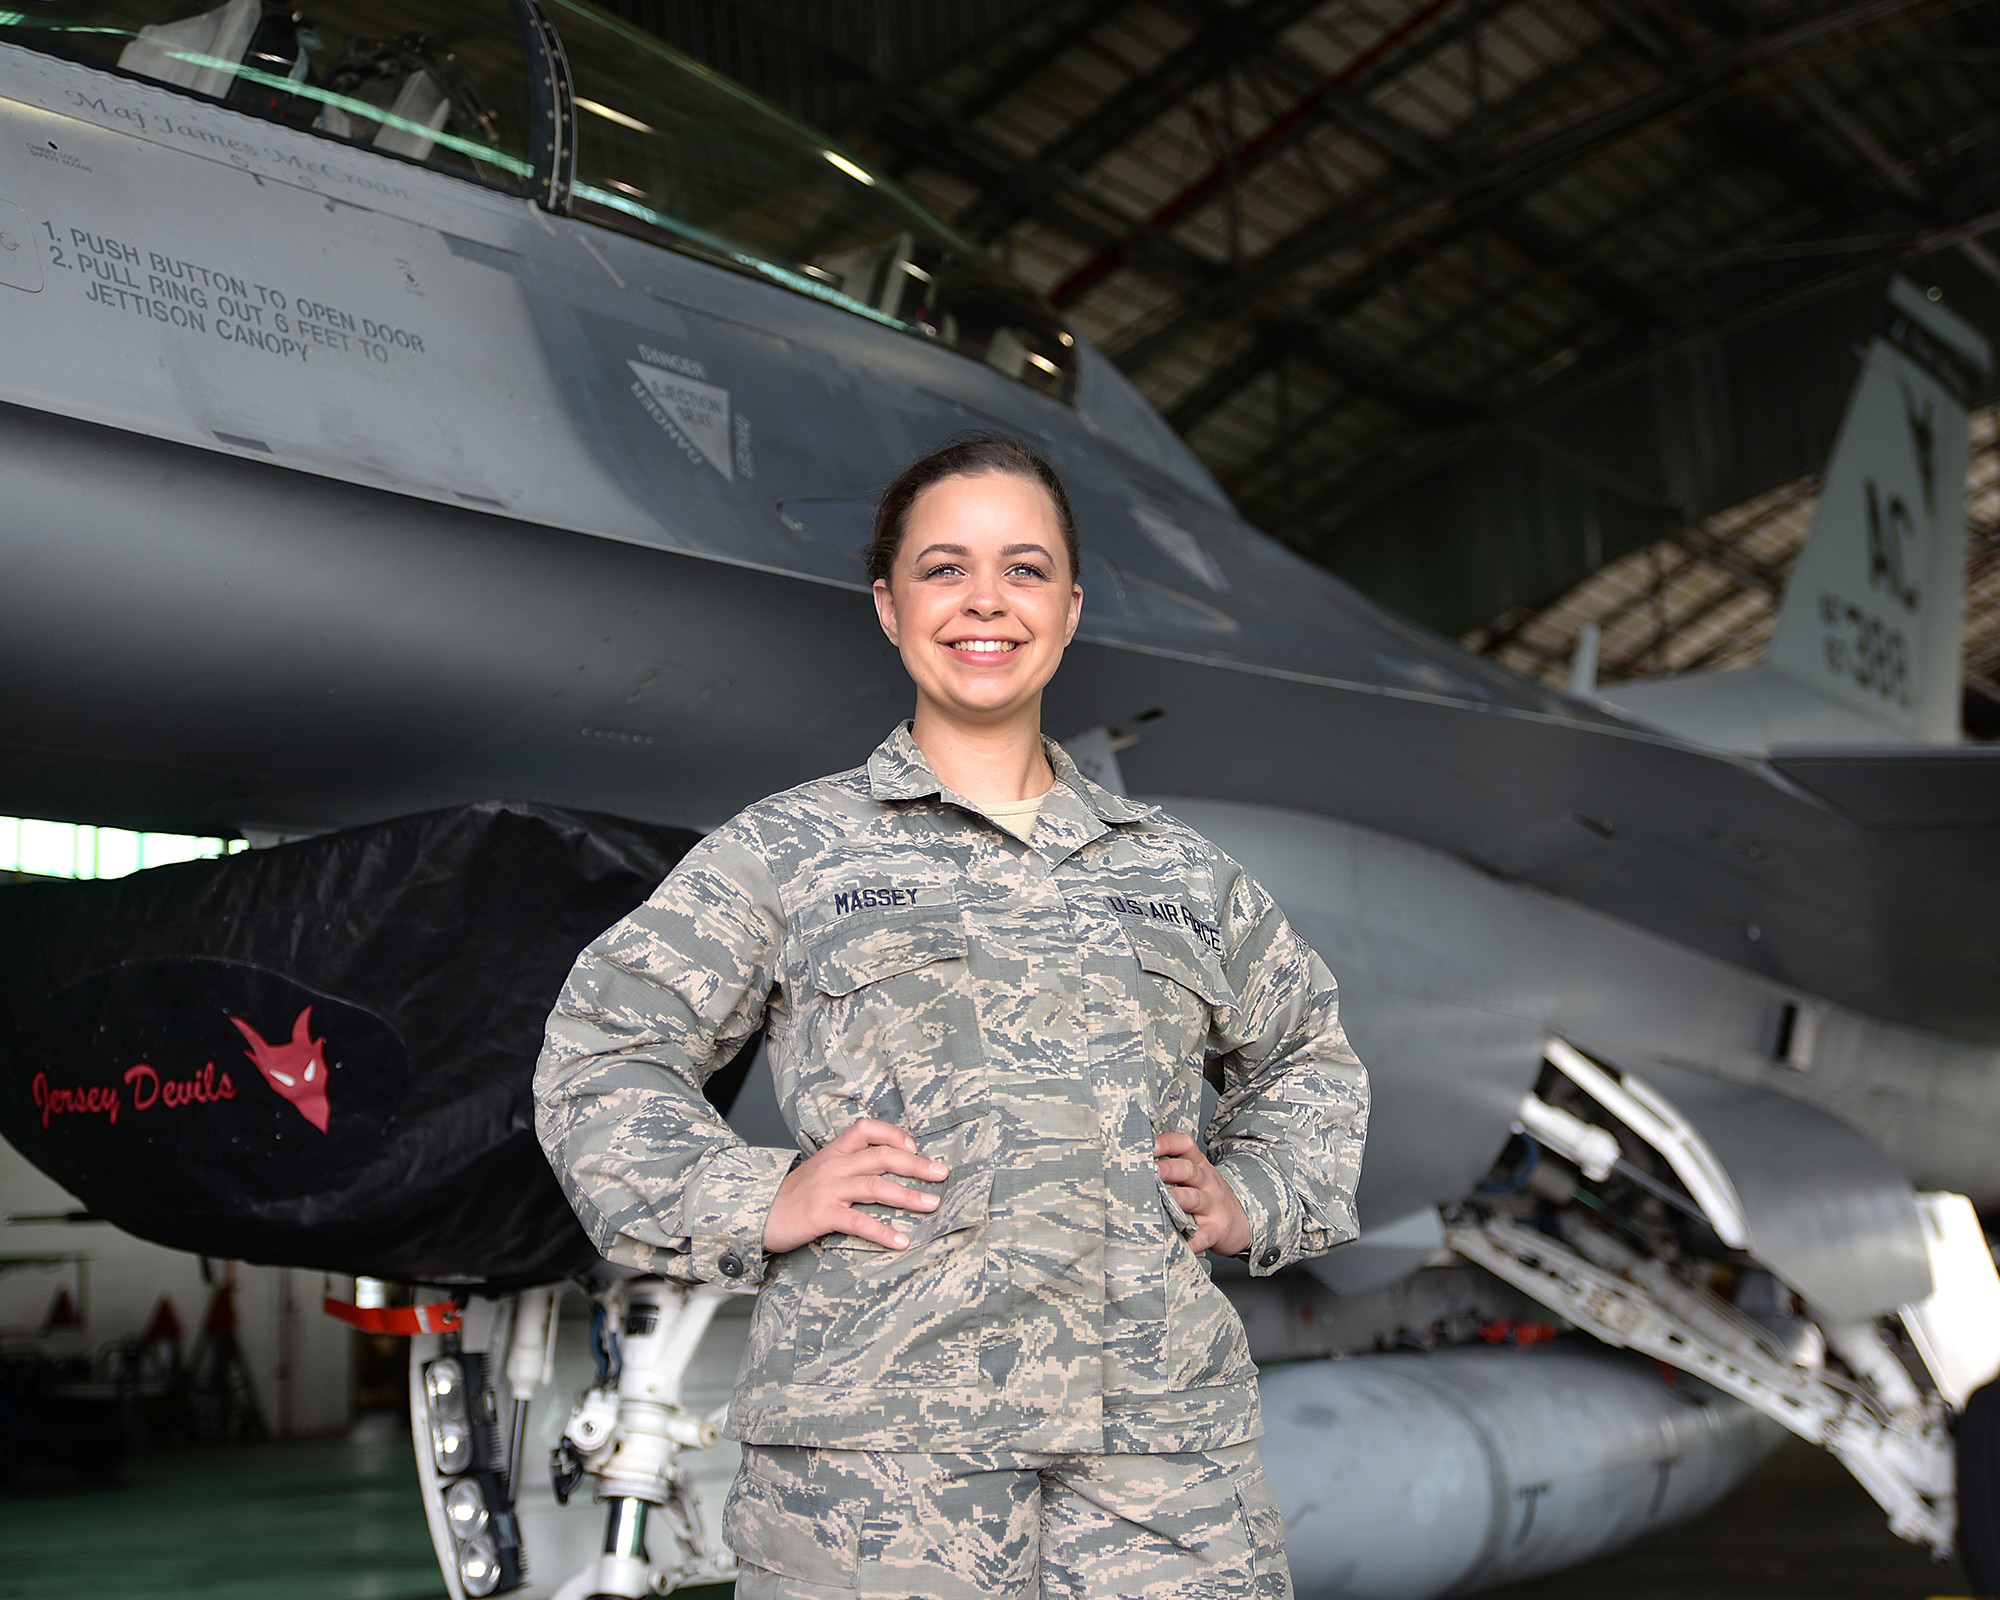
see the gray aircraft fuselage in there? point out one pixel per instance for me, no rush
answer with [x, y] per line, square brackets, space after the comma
[332, 490]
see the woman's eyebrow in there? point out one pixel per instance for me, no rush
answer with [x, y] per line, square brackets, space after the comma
[941, 550]
[1026, 550]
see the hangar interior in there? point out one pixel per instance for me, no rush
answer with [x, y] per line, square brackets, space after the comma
[1524, 317]
[1516, 316]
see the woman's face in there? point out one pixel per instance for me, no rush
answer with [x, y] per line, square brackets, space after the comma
[981, 600]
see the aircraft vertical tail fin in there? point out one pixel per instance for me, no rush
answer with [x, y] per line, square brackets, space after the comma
[1873, 617]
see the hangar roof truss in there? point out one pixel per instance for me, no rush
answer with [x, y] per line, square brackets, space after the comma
[1331, 240]
[1342, 244]
[1706, 596]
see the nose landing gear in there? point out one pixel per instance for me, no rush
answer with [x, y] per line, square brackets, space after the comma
[628, 1432]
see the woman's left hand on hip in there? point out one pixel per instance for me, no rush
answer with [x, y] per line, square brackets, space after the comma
[1201, 1191]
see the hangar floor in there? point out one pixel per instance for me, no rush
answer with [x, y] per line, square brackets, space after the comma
[1799, 1529]
[337, 1519]
[309, 1519]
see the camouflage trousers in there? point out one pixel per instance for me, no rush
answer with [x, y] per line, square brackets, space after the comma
[811, 1524]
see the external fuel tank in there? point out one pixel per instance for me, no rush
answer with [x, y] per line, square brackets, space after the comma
[1405, 1476]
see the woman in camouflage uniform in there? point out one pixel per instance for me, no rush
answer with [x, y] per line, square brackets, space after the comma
[987, 1360]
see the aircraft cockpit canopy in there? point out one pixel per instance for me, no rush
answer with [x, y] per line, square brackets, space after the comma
[657, 146]
[671, 150]
[442, 84]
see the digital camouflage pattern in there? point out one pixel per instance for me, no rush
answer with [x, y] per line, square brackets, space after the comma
[1000, 1525]
[1033, 1014]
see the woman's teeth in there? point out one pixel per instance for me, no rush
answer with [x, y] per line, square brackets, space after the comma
[986, 646]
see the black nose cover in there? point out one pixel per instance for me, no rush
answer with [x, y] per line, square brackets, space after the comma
[319, 1055]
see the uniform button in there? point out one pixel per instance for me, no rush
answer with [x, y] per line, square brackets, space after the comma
[732, 1265]
[1268, 1259]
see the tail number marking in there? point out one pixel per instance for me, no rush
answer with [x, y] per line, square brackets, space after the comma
[1887, 536]
[1861, 646]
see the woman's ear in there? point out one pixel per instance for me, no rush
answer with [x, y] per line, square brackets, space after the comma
[1075, 611]
[885, 611]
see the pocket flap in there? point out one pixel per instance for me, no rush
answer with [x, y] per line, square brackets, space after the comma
[965, 1204]
[1184, 1224]
[856, 952]
[1173, 955]
[795, 1529]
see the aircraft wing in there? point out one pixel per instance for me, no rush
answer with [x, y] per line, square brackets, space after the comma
[1863, 878]
[1901, 788]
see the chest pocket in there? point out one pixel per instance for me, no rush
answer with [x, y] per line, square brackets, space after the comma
[871, 948]
[1181, 987]
[1168, 953]
[891, 1027]
[894, 1037]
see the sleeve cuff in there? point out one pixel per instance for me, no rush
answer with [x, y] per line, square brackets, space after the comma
[1273, 1230]
[724, 1210]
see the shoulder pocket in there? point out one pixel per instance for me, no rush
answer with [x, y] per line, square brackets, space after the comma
[854, 953]
[1166, 953]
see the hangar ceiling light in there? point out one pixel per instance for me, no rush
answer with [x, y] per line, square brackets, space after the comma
[32, 848]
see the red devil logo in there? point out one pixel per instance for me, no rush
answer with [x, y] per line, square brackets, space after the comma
[296, 1070]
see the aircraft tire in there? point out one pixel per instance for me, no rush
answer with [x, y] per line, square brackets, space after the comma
[1979, 1490]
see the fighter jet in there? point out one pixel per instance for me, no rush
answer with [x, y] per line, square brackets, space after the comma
[410, 409]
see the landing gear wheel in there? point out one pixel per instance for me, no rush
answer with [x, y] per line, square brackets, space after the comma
[1979, 1490]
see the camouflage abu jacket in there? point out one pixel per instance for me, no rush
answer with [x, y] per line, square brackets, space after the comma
[1032, 1014]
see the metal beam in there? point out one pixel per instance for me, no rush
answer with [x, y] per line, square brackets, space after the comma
[863, 110]
[1393, 209]
[1266, 140]
[1759, 126]
[1259, 356]
[1714, 71]
[1238, 479]
[1369, 372]
[1871, 150]
[954, 148]
[1362, 488]
[1570, 261]
[1086, 142]
[1662, 39]
[1307, 334]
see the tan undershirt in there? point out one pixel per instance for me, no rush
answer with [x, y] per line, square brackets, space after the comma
[1016, 816]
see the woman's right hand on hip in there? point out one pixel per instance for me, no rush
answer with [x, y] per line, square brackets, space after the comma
[820, 1194]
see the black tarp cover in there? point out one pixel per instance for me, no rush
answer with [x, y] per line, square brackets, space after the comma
[318, 1055]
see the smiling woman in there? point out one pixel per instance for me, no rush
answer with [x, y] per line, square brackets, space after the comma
[974, 564]
[986, 1324]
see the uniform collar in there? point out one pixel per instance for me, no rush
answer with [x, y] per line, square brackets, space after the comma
[898, 771]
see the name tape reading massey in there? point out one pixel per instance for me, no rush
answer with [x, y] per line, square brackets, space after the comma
[849, 900]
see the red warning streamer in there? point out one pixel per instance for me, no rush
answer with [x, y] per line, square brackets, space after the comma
[440, 1316]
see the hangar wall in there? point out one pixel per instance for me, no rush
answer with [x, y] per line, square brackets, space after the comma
[1545, 500]
[815, 58]
[1449, 476]
[300, 1361]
